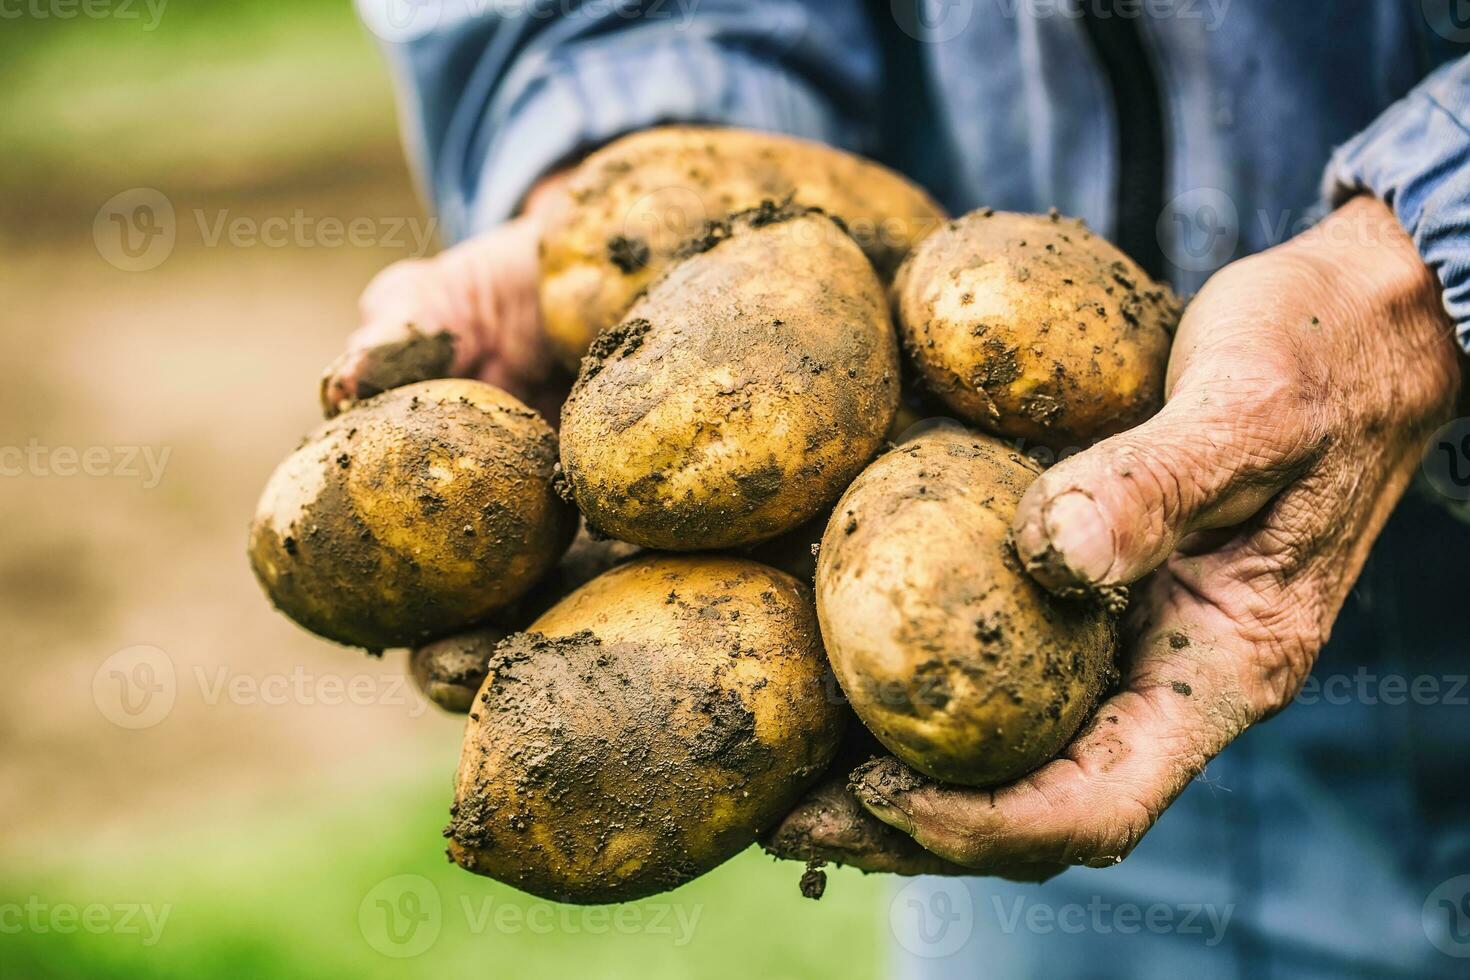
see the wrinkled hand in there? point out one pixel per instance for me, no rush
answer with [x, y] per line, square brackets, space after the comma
[1302, 385]
[470, 311]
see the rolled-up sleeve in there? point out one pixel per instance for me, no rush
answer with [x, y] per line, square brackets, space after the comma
[1416, 159]
[494, 95]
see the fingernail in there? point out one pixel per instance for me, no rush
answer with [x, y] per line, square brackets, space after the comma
[882, 807]
[1073, 525]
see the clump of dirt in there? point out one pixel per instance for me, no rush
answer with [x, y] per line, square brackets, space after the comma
[630, 255]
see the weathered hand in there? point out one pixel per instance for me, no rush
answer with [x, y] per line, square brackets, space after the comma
[470, 311]
[1302, 385]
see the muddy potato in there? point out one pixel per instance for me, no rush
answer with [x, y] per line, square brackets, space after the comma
[743, 392]
[1033, 327]
[449, 672]
[949, 652]
[413, 515]
[634, 202]
[644, 730]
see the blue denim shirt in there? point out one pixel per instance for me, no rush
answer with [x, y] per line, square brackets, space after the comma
[1325, 842]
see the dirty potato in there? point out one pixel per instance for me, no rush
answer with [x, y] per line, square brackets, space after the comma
[957, 661]
[449, 672]
[742, 393]
[633, 203]
[1033, 327]
[413, 515]
[644, 730]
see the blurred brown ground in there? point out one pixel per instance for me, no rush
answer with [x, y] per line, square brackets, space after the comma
[214, 357]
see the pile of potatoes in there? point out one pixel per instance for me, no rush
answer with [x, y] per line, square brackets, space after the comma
[649, 693]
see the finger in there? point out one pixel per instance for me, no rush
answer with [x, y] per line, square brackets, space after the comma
[829, 825]
[379, 359]
[1183, 703]
[1109, 515]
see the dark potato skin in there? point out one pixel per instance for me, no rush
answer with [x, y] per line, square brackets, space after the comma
[1032, 327]
[743, 392]
[411, 516]
[644, 730]
[948, 651]
[634, 202]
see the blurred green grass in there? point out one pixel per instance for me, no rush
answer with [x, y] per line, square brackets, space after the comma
[293, 891]
[213, 94]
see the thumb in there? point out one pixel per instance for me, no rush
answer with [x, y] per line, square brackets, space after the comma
[1111, 514]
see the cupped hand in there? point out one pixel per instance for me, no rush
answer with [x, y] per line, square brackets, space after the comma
[470, 311]
[1302, 386]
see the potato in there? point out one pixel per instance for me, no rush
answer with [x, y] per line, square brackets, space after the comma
[449, 672]
[1031, 326]
[634, 202]
[644, 730]
[949, 652]
[411, 516]
[743, 392]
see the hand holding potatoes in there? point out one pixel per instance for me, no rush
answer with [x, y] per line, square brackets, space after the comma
[1303, 385]
[469, 312]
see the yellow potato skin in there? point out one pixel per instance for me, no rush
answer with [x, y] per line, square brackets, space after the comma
[644, 730]
[411, 516]
[1032, 327]
[749, 385]
[635, 201]
[952, 656]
